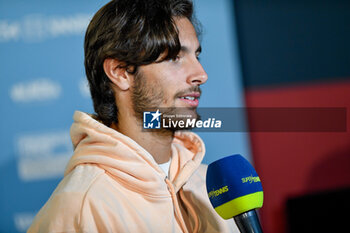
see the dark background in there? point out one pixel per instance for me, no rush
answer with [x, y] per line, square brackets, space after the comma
[297, 54]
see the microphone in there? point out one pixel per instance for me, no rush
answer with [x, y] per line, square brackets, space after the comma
[234, 189]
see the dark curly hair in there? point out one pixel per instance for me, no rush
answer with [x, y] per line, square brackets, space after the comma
[135, 32]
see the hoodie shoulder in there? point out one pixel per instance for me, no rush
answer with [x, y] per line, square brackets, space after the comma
[80, 179]
[66, 203]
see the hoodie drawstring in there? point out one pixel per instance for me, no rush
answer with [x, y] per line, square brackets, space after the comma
[178, 211]
[176, 205]
[191, 210]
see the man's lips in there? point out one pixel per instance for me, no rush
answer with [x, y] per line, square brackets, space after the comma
[191, 98]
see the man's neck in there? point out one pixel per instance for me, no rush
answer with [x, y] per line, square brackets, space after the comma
[156, 142]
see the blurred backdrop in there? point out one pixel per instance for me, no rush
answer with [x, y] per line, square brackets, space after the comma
[256, 54]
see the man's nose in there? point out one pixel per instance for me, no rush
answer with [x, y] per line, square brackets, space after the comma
[197, 74]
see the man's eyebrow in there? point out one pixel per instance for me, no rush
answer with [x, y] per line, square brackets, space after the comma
[185, 49]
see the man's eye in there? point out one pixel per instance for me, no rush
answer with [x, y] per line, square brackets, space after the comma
[177, 58]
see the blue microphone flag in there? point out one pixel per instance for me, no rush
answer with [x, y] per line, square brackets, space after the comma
[233, 186]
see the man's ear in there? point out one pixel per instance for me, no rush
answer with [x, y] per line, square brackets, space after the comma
[116, 74]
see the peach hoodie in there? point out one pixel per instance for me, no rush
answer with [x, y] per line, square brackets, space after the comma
[111, 184]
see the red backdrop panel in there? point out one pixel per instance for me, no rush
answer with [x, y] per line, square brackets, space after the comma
[296, 163]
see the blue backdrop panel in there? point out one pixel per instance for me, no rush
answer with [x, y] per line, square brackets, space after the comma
[43, 83]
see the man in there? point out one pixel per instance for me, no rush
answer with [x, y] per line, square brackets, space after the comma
[139, 55]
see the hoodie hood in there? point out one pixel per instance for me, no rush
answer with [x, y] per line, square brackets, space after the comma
[126, 161]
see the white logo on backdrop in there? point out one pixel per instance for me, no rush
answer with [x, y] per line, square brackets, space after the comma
[36, 90]
[84, 88]
[23, 220]
[44, 155]
[36, 28]
[9, 31]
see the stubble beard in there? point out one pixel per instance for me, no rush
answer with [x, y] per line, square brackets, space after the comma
[149, 98]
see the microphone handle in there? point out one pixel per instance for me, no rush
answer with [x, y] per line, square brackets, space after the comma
[248, 222]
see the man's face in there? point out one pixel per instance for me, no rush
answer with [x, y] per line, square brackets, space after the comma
[172, 84]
